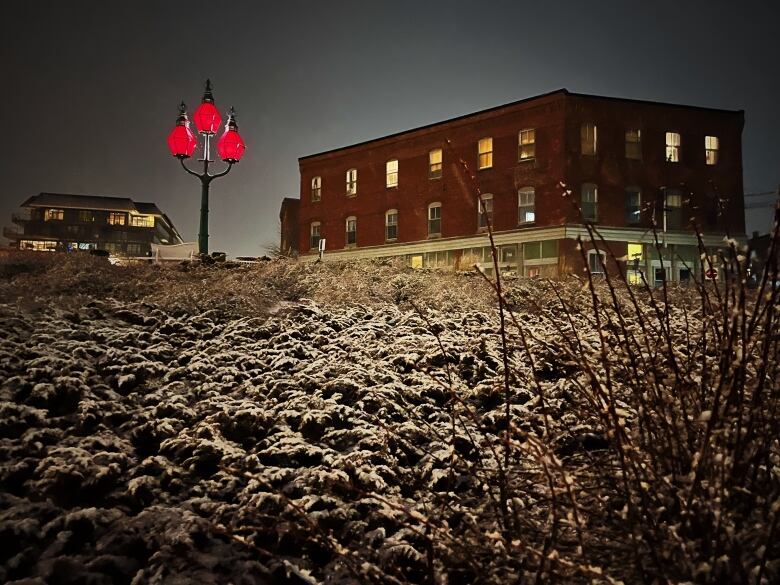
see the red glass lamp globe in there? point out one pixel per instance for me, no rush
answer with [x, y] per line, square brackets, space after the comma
[231, 146]
[181, 140]
[206, 117]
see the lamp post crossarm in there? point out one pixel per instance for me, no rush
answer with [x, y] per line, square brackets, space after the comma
[222, 173]
[186, 168]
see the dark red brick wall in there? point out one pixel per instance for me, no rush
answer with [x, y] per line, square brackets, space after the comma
[557, 118]
[455, 190]
[612, 172]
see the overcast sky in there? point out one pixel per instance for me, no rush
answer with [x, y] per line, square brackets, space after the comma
[89, 89]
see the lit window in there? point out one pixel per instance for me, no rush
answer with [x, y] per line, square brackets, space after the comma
[711, 146]
[146, 221]
[316, 188]
[633, 205]
[86, 216]
[589, 201]
[351, 182]
[634, 266]
[485, 211]
[485, 150]
[588, 139]
[351, 231]
[391, 173]
[391, 225]
[314, 235]
[672, 147]
[596, 261]
[634, 144]
[434, 219]
[117, 218]
[434, 164]
[54, 215]
[38, 245]
[673, 210]
[526, 201]
[526, 142]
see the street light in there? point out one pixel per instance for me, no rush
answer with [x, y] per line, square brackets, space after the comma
[230, 147]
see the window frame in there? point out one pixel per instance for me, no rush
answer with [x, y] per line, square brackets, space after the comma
[711, 153]
[141, 221]
[633, 212]
[350, 244]
[586, 142]
[312, 225]
[435, 169]
[673, 214]
[524, 191]
[391, 173]
[351, 182]
[672, 152]
[635, 145]
[53, 214]
[485, 154]
[116, 218]
[86, 216]
[601, 268]
[431, 207]
[487, 200]
[522, 155]
[594, 204]
[316, 188]
[388, 214]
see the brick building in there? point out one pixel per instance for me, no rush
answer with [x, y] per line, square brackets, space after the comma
[544, 166]
[65, 222]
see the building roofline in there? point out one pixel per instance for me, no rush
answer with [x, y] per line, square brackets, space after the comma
[442, 122]
[562, 91]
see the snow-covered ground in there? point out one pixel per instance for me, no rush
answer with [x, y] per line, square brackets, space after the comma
[313, 440]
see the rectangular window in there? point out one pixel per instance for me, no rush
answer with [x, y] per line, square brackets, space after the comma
[634, 144]
[38, 245]
[526, 141]
[539, 250]
[351, 231]
[485, 150]
[112, 247]
[434, 164]
[590, 198]
[117, 218]
[485, 211]
[86, 216]
[588, 139]
[391, 225]
[54, 215]
[434, 219]
[134, 249]
[316, 188]
[351, 182]
[391, 173]
[673, 210]
[672, 147]
[633, 205]
[314, 235]
[526, 205]
[146, 221]
[596, 261]
[711, 146]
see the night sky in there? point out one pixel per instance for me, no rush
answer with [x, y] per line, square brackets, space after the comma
[90, 89]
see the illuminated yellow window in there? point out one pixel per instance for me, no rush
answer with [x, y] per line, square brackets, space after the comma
[316, 188]
[485, 149]
[391, 174]
[146, 221]
[54, 215]
[672, 147]
[434, 164]
[351, 182]
[417, 261]
[526, 142]
[117, 218]
[711, 146]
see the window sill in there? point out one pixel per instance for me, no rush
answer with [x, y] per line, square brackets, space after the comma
[527, 160]
[391, 187]
[526, 224]
[351, 195]
[434, 178]
[485, 168]
[391, 240]
[433, 236]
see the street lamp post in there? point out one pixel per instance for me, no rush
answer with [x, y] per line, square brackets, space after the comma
[230, 148]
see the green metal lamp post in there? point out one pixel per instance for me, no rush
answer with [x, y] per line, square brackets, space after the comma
[230, 148]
